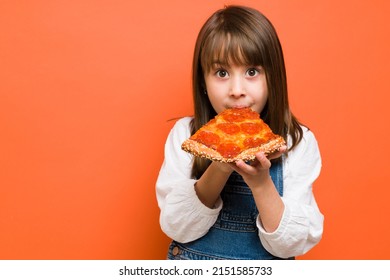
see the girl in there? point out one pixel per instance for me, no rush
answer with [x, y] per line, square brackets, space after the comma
[262, 210]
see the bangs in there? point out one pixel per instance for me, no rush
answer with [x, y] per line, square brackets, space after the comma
[226, 48]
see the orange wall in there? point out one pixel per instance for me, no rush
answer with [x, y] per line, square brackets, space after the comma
[78, 164]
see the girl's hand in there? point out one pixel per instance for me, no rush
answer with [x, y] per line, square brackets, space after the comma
[256, 173]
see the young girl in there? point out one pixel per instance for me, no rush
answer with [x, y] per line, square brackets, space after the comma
[259, 210]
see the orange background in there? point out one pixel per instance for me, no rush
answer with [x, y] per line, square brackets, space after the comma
[87, 89]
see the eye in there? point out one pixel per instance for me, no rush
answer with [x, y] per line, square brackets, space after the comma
[221, 73]
[252, 72]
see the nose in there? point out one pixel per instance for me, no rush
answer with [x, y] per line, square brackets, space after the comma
[237, 89]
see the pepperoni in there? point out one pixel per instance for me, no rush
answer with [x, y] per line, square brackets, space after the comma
[250, 128]
[228, 150]
[207, 138]
[229, 128]
[253, 142]
[240, 115]
[251, 115]
[234, 117]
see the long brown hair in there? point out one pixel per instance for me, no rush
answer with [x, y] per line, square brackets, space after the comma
[242, 36]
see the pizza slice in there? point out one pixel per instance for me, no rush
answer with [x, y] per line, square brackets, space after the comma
[234, 134]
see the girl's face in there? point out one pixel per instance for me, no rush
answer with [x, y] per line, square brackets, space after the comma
[236, 86]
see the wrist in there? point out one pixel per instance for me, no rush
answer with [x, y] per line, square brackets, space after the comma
[263, 183]
[222, 167]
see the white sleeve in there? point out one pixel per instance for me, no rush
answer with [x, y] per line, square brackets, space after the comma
[183, 217]
[301, 225]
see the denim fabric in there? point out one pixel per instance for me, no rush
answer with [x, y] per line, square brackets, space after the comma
[234, 235]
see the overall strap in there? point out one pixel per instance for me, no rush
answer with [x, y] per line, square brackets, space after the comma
[276, 172]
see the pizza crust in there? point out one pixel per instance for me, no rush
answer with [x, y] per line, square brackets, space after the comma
[198, 149]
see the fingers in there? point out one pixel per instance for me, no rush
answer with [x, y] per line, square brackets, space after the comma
[263, 160]
[261, 163]
[244, 169]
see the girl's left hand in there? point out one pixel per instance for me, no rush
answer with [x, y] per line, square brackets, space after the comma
[257, 172]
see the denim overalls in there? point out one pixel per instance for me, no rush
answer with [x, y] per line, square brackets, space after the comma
[234, 235]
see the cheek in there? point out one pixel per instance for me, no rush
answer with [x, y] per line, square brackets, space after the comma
[216, 103]
[259, 106]
[215, 95]
[261, 99]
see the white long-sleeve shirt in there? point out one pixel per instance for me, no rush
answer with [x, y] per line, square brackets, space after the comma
[185, 218]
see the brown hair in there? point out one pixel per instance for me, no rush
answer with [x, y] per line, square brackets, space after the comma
[242, 36]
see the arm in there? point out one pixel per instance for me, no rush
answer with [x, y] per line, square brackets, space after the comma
[291, 225]
[266, 197]
[183, 217]
[301, 224]
[209, 186]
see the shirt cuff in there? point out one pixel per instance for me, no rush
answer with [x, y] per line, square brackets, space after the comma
[201, 208]
[280, 229]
